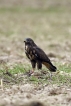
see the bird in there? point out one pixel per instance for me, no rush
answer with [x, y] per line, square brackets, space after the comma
[37, 56]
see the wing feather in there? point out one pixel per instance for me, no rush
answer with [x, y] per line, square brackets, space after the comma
[40, 54]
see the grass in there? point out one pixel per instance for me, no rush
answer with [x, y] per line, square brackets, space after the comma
[18, 9]
[64, 67]
[18, 69]
[19, 74]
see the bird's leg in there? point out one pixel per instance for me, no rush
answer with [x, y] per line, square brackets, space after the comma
[33, 70]
[33, 66]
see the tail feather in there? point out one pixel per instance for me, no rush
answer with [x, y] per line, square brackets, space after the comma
[50, 66]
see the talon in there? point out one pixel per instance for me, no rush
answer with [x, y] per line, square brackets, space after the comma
[31, 72]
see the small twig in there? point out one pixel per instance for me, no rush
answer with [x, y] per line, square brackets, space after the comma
[1, 83]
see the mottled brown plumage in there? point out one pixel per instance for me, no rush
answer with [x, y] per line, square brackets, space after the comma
[37, 56]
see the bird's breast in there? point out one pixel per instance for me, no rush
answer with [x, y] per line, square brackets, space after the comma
[31, 55]
[29, 52]
[26, 47]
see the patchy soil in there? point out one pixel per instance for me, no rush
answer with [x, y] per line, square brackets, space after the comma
[19, 90]
[21, 95]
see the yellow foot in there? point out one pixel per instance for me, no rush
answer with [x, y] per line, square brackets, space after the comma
[31, 72]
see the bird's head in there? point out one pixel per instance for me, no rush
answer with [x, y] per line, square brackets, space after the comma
[29, 41]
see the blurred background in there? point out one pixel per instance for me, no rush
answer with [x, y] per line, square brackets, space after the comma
[47, 22]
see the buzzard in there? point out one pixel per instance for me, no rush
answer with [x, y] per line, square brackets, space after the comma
[37, 56]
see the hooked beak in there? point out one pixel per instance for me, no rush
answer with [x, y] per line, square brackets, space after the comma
[25, 41]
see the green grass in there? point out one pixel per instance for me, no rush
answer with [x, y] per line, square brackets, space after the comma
[23, 68]
[64, 67]
[59, 79]
[10, 9]
[18, 9]
[18, 69]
